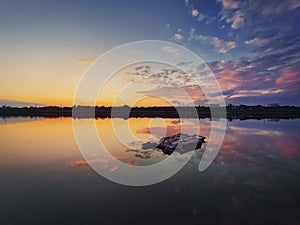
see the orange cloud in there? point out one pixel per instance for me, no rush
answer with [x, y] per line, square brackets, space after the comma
[85, 61]
[114, 168]
[195, 12]
[87, 162]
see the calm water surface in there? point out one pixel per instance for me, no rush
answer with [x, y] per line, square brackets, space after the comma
[45, 180]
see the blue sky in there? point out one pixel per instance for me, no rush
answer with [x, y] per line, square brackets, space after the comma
[252, 46]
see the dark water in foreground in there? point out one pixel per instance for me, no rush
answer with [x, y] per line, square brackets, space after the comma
[255, 178]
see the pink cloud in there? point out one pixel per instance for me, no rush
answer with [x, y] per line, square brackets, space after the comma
[294, 4]
[256, 41]
[288, 76]
[238, 20]
[288, 146]
[223, 46]
[228, 75]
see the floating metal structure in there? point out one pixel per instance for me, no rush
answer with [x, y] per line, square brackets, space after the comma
[182, 143]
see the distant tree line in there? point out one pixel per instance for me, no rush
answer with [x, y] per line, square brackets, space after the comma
[232, 112]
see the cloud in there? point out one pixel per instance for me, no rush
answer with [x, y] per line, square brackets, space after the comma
[294, 4]
[288, 144]
[201, 17]
[270, 73]
[210, 19]
[220, 45]
[283, 44]
[195, 12]
[288, 75]
[277, 7]
[266, 76]
[257, 14]
[145, 68]
[262, 79]
[257, 93]
[229, 4]
[113, 169]
[170, 49]
[159, 75]
[238, 20]
[16, 103]
[85, 61]
[256, 41]
[177, 37]
[79, 163]
[178, 96]
[187, 63]
[244, 81]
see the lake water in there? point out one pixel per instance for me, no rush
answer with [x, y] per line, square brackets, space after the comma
[45, 180]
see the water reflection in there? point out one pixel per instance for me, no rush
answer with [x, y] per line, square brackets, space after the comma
[245, 142]
[253, 180]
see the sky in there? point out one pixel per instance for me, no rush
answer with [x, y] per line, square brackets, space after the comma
[252, 46]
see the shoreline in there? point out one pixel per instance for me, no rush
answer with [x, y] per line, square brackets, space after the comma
[232, 112]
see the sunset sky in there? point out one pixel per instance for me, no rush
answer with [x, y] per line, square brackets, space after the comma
[252, 47]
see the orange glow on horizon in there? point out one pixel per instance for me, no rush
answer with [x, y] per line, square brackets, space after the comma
[152, 101]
